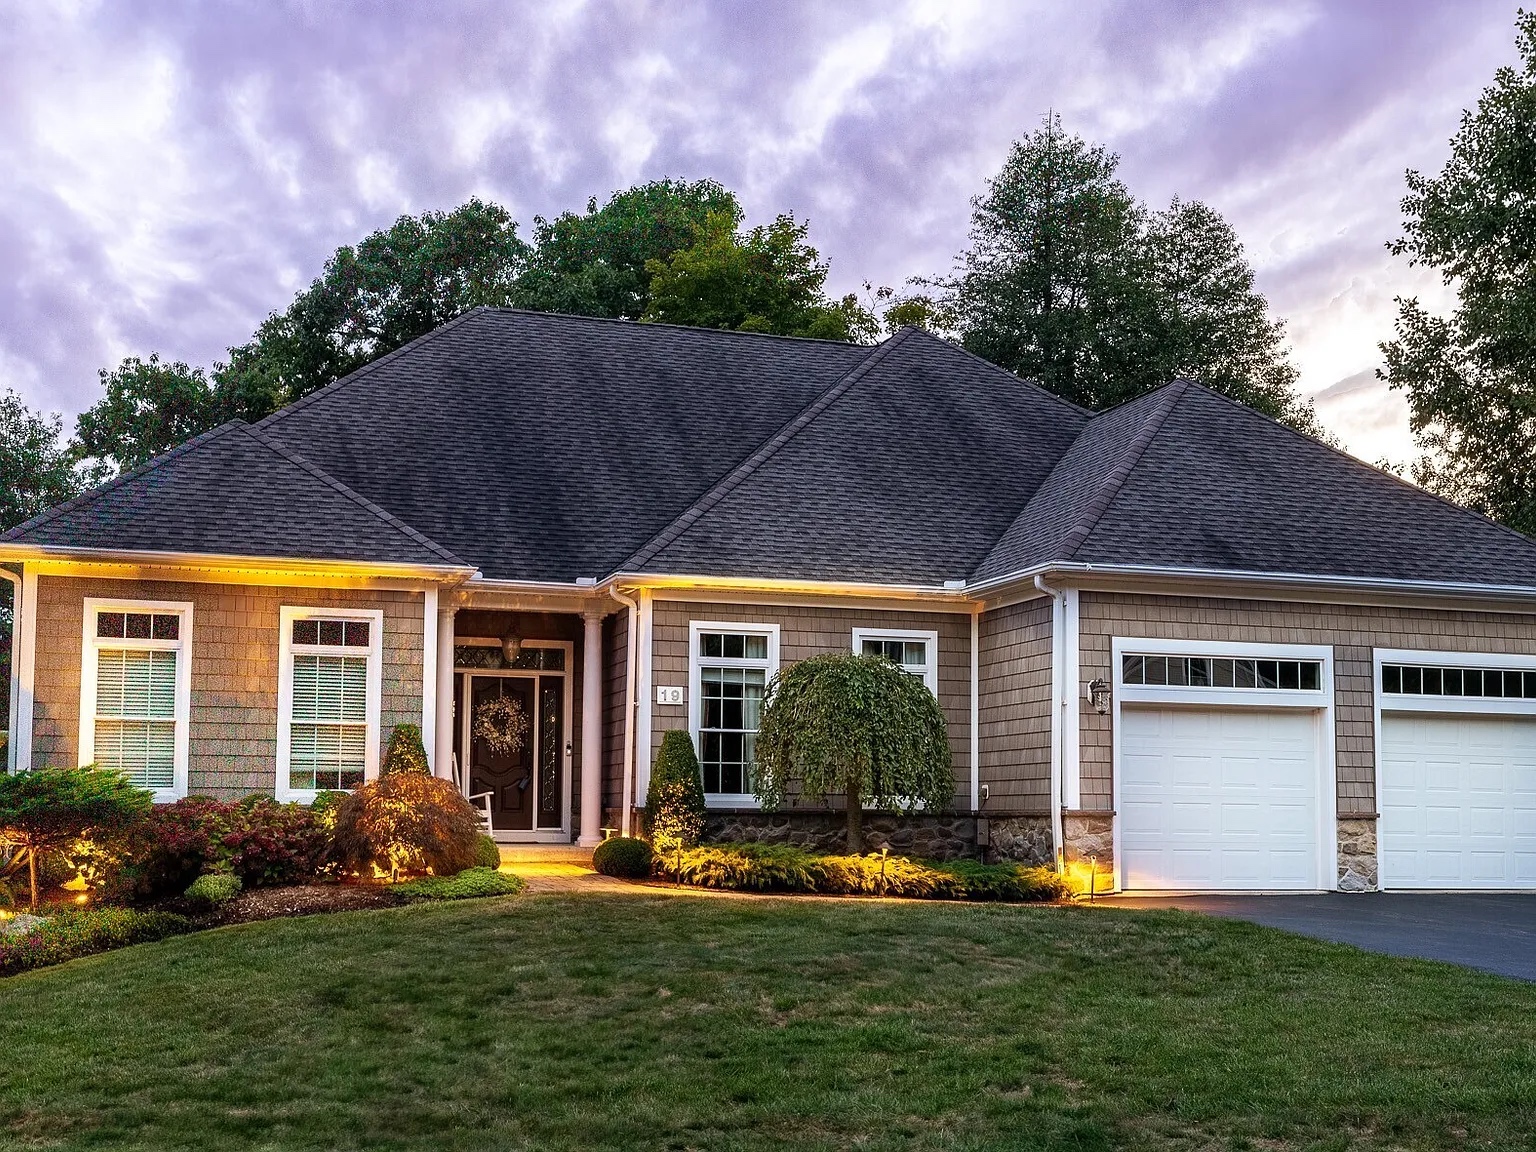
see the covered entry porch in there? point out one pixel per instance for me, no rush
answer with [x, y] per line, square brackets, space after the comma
[519, 710]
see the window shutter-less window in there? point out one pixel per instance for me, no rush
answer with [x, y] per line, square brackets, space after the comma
[136, 714]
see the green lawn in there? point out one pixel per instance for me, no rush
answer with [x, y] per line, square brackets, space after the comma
[642, 1022]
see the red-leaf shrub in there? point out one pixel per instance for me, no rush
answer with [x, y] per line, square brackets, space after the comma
[406, 824]
[262, 842]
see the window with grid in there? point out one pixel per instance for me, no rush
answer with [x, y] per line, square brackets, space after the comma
[328, 727]
[1221, 672]
[1488, 683]
[913, 652]
[135, 717]
[733, 670]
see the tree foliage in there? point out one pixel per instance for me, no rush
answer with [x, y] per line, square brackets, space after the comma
[1470, 378]
[1073, 282]
[149, 407]
[674, 799]
[36, 470]
[768, 279]
[49, 808]
[854, 726]
[598, 263]
[406, 752]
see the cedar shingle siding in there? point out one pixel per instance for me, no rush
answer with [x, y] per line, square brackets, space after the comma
[1015, 708]
[234, 647]
[1352, 631]
[808, 631]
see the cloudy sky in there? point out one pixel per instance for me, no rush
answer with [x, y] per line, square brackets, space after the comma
[171, 172]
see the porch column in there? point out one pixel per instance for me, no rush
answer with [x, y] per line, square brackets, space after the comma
[591, 729]
[442, 742]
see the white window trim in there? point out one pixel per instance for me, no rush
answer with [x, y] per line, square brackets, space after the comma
[931, 639]
[1462, 705]
[287, 614]
[1320, 702]
[91, 644]
[695, 693]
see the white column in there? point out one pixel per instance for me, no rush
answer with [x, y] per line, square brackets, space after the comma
[429, 675]
[442, 743]
[591, 730]
[26, 659]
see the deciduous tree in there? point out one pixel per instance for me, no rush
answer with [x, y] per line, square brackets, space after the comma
[857, 727]
[1470, 377]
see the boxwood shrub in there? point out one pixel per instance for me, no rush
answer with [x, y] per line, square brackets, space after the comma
[627, 857]
[74, 932]
[466, 885]
[781, 868]
[213, 889]
[487, 855]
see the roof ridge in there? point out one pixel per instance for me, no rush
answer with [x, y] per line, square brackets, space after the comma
[356, 373]
[1110, 486]
[94, 494]
[1014, 376]
[761, 455]
[314, 470]
[1354, 460]
[667, 324]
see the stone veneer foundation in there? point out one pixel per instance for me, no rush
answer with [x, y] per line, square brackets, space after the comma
[1026, 839]
[1358, 870]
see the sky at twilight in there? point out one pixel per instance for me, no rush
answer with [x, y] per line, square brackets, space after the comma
[172, 172]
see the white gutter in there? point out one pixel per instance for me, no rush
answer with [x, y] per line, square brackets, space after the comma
[1281, 579]
[13, 737]
[631, 705]
[952, 592]
[1059, 733]
[140, 559]
[976, 708]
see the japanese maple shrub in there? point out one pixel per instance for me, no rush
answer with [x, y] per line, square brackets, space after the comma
[858, 727]
[674, 801]
[406, 824]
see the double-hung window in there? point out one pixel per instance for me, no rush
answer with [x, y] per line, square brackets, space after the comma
[916, 653]
[135, 691]
[730, 666]
[328, 700]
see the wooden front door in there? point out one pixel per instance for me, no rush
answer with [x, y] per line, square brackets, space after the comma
[526, 786]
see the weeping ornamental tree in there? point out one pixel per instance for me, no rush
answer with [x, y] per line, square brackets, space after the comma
[854, 726]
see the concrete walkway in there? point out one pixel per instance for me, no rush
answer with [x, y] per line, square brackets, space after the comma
[1493, 931]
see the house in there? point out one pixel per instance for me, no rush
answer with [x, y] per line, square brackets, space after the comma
[1175, 642]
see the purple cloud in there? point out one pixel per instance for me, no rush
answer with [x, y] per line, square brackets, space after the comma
[176, 171]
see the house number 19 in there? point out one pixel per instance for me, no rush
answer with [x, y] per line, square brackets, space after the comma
[667, 695]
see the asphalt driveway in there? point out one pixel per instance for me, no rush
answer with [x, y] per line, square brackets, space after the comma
[1492, 931]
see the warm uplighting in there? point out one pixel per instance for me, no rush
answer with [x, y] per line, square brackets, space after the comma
[1088, 878]
[83, 898]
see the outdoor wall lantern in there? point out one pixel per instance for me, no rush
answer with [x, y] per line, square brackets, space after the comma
[1098, 692]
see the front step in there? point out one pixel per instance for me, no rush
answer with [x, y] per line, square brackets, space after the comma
[546, 854]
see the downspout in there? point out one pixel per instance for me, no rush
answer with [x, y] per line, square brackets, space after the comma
[632, 708]
[1059, 714]
[12, 737]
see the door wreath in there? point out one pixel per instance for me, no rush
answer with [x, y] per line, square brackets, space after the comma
[502, 724]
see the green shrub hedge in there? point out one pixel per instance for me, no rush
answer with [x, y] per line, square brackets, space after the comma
[213, 889]
[487, 855]
[466, 885]
[627, 857]
[72, 933]
[780, 868]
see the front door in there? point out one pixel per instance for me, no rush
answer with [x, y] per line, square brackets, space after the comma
[526, 784]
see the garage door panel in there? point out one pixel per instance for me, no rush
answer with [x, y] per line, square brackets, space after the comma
[1218, 798]
[1458, 804]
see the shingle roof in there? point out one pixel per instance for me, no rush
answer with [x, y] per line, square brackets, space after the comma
[1220, 486]
[905, 472]
[548, 448]
[233, 492]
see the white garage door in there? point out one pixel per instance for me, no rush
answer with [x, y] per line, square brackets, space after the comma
[1458, 801]
[1218, 798]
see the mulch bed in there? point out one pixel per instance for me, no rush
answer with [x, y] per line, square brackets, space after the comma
[305, 900]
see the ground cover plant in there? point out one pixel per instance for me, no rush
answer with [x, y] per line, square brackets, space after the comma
[783, 868]
[467, 885]
[68, 933]
[658, 1020]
